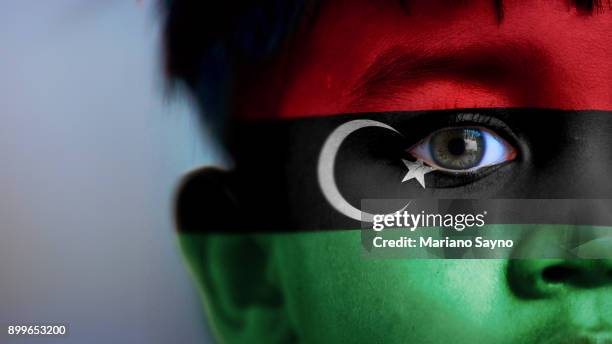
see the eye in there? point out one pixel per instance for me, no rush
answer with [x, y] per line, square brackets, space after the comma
[463, 149]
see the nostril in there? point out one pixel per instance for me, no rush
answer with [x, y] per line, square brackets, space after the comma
[538, 279]
[558, 274]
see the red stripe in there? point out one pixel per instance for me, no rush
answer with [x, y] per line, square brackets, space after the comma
[370, 56]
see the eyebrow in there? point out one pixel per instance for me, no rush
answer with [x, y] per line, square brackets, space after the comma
[486, 64]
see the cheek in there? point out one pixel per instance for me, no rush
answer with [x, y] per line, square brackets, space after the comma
[335, 295]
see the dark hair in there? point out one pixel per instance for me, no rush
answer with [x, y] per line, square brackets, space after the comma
[207, 41]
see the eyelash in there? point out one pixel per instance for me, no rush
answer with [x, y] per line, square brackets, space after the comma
[427, 123]
[489, 122]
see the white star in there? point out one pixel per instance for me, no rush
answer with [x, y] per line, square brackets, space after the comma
[416, 170]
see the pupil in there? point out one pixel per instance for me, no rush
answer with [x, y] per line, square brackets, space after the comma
[456, 146]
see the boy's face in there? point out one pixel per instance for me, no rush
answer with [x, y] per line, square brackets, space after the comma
[375, 56]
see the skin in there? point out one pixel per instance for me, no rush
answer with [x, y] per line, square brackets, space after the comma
[317, 287]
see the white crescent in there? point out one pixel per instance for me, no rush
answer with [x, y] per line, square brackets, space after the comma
[327, 159]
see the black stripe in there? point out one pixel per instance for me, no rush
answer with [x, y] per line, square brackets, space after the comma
[274, 187]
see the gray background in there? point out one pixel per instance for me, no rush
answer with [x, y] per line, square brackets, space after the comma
[90, 152]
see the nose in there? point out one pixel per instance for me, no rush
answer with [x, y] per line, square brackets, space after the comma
[545, 278]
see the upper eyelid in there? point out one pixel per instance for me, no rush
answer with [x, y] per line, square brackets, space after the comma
[416, 129]
[495, 124]
[489, 121]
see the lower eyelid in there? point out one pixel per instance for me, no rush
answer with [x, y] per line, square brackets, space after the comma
[450, 180]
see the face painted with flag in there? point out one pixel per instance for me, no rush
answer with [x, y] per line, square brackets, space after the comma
[503, 103]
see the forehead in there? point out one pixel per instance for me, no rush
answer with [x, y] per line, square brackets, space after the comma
[364, 56]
